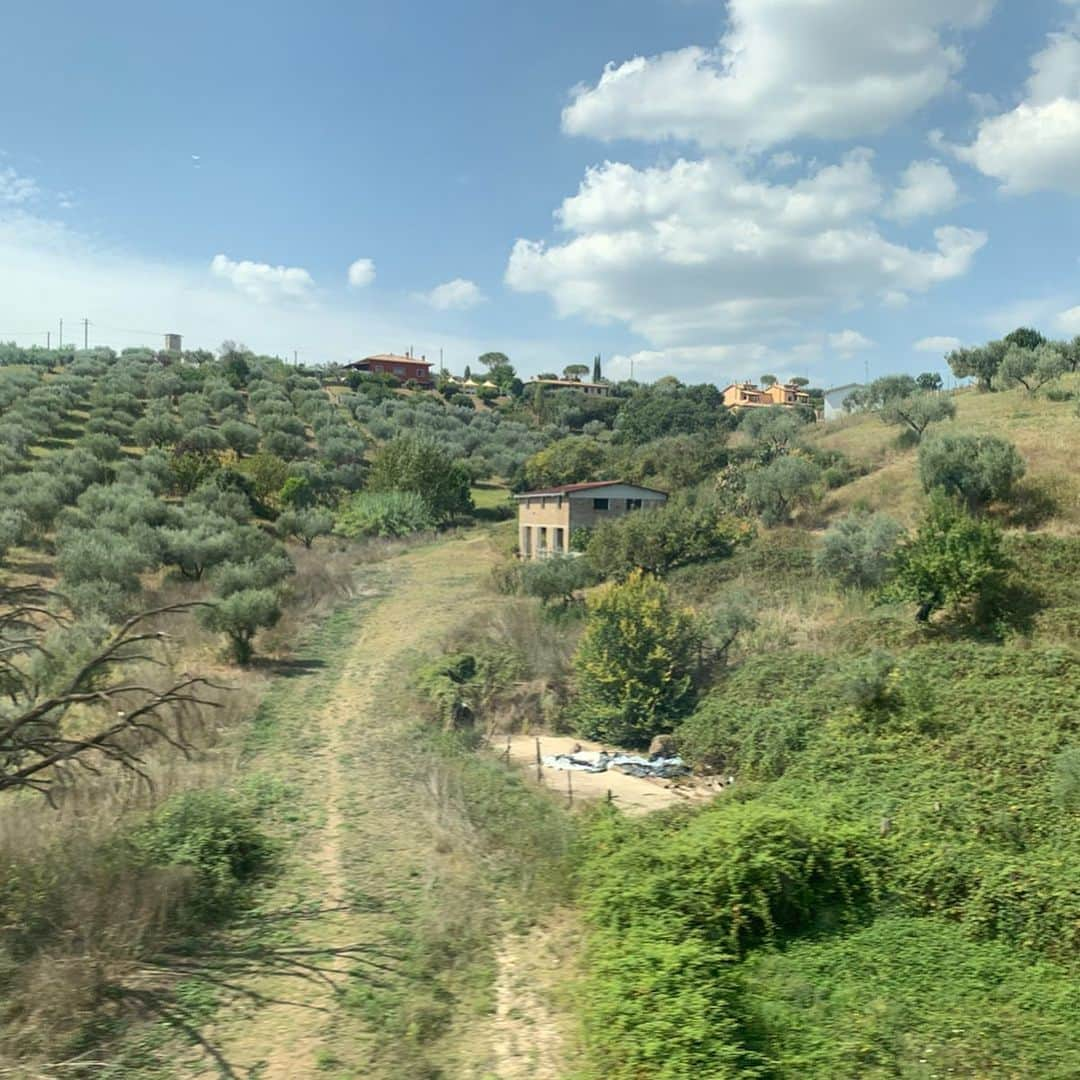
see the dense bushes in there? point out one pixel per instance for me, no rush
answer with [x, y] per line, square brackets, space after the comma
[214, 834]
[634, 664]
[387, 514]
[669, 408]
[419, 465]
[909, 997]
[951, 559]
[681, 532]
[556, 578]
[673, 902]
[779, 488]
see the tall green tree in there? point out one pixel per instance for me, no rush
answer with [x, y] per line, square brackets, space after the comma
[418, 463]
[635, 662]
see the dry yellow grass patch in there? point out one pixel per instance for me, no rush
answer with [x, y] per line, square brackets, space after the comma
[1047, 434]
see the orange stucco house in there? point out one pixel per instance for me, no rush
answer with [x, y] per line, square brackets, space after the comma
[746, 395]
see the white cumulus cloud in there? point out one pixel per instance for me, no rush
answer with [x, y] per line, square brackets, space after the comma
[261, 281]
[926, 188]
[849, 342]
[361, 273]
[1068, 322]
[939, 344]
[456, 295]
[1036, 145]
[784, 69]
[700, 253]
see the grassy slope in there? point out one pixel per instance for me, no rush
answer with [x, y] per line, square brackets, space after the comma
[968, 970]
[1047, 434]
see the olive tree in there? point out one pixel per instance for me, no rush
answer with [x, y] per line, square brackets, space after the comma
[979, 469]
[1032, 368]
[916, 413]
[776, 490]
[857, 550]
[305, 525]
[240, 616]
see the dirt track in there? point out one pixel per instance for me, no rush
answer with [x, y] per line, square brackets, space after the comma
[365, 843]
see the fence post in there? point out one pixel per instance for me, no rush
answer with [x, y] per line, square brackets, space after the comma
[539, 762]
[569, 788]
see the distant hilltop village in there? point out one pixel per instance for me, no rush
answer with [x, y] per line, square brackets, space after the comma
[502, 380]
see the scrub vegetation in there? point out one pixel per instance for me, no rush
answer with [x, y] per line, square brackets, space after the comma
[288, 600]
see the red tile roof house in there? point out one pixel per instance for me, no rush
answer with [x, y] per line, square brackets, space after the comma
[548, 517]
[402, 368]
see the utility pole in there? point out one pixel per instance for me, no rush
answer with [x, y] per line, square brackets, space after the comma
[85, 334]
[60, 343]
[295, 362]
[48, 339]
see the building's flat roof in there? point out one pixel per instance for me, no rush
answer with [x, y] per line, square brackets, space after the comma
[569, 489]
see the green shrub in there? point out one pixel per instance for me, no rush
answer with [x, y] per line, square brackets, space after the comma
[857, 551]
[419, 464]
[387, 513]
[753, 741]
[1065, 784]
[910, 997]
[979, 469]
[662, 1009]
[566, 461]
[634, 663]
[556, 578]
[215, 834]
[952, 559]
[735, 876]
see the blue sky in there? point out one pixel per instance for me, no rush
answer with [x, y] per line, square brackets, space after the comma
[760, 185]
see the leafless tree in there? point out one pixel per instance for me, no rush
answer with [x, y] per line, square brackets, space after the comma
[104, 712]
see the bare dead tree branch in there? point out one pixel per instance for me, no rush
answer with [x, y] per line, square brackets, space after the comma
[116, 718]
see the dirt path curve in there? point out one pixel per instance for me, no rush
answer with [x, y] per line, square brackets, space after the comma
[362, 843]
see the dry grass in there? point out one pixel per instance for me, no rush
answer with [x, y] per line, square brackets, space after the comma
[76, 924]
[1047, 434]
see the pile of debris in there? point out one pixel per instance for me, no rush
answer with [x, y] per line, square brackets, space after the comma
[656, 767]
